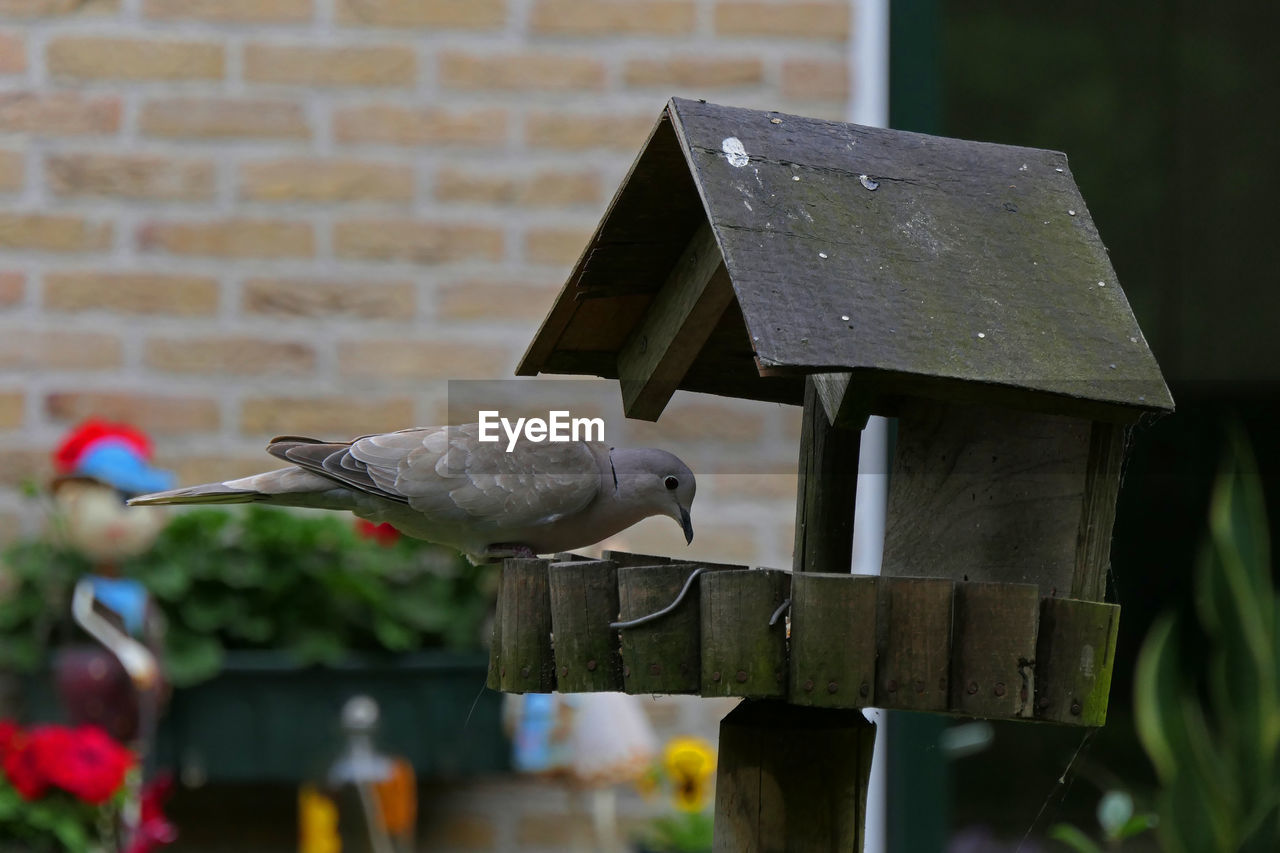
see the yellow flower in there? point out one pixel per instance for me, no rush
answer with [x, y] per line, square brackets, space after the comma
[689, 762]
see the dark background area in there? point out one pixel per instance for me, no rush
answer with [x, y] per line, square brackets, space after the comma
[1169, 113]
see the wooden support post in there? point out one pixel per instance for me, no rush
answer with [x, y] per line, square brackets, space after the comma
[678, 322]
[833, 640]
[584, 601]
[914, 627]
[1074, 659]
[792, 779]
[1101, 490]
[827, 491]
[663, 656]
[993, 655]
[521, 659]
[742, 654]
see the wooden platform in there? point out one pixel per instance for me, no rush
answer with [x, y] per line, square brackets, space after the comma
[991, 650]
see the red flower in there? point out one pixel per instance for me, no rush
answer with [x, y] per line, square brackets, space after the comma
[8, 732]
[86, 761]
[22, 767]
[154, 829]
[383, 534]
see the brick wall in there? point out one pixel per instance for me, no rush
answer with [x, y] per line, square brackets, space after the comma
[224, 219]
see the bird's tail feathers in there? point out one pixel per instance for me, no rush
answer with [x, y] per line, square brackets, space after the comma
[208, 493]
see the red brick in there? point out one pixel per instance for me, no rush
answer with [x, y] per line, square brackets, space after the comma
[548, 72]
[13, 289]
[612, 17]
[436, 14]
[58, 350]
[541, 188]
[299, 297]
[240, 355]
[230, 238]
[760, 486]
[13, 171]
[389, 124]
[59, 113]
[13, 53]
[94, 58]
[817, 20]
[52, 233]
[30, 9]
[325, 417]
[700, 72]
[555, 245]
[230, 11]
[310, 65]
[135, 176]
[19, 466]
[12, 407]
[131, 293]
[419, 242]
[191, 468]
[313, 179]
[223, 118]
[484, 300]
[388, 359]
[815, 79]
[151, 412]
[578, 132]
[696, 421]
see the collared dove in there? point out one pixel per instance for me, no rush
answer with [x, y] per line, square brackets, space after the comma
[444, 485]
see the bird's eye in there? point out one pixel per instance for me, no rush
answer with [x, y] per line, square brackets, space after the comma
[671, 483]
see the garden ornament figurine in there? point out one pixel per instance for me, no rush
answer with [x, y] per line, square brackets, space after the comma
[452, 486]
[117, 685]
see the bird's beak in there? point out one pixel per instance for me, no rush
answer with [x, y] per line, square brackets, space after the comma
[687, 524]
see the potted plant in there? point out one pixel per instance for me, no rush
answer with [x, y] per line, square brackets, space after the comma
[684, 777]
[61, 789]
[272, 620]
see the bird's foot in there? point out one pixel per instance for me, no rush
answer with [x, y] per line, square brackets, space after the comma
[502, 550]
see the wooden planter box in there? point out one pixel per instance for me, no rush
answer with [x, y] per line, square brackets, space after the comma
[264, 718]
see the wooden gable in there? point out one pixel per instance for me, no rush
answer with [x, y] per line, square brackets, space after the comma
[914, 265]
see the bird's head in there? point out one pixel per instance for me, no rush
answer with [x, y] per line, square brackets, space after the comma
[656, 481]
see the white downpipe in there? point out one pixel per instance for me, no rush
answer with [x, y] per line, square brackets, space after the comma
[869, 63]
[869, 105]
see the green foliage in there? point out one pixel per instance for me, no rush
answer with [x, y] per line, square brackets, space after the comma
[1116, 818]
[54, 822]
[1214, 741]
[261, 578]
[687, 832]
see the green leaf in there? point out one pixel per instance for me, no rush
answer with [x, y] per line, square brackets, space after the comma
[393, 635]
[1155, 690]
[191, 658]
[1136, 825]
[1073, 838]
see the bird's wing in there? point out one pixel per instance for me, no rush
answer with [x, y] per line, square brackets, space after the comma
[450, 476]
